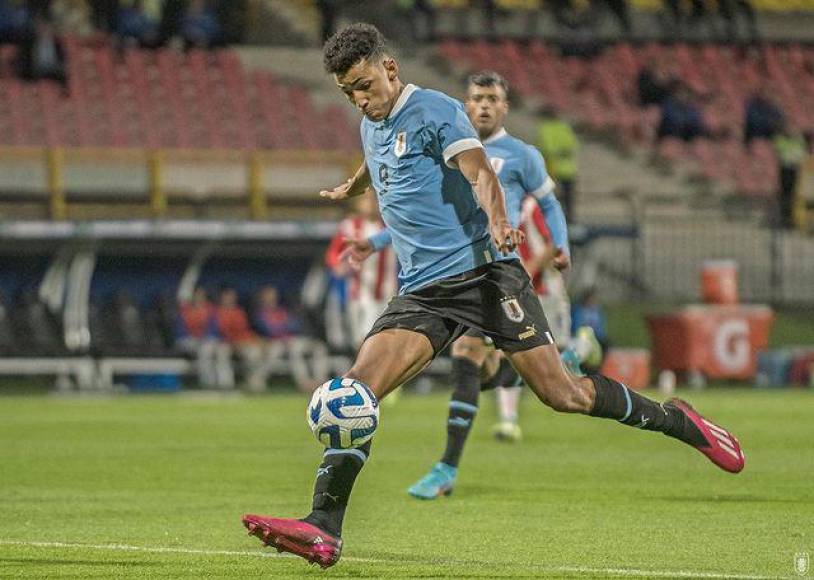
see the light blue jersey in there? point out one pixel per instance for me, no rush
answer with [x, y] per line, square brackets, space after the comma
[432, 214]
[521, 171]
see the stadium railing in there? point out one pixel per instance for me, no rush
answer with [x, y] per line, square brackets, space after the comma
[152, 179]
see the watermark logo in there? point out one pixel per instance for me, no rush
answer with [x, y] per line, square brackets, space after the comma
[801, 563]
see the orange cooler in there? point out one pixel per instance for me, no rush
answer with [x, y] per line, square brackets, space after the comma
[719, 282]
[719, 341]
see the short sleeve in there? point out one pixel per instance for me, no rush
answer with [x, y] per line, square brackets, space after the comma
[535, 178]
[453, 129]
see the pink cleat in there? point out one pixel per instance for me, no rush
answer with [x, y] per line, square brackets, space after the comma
[722, 448]
[297, 537]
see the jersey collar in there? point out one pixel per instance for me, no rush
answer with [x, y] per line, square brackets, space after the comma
[495, 136]
[402, 100]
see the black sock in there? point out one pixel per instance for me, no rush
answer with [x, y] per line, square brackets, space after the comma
[335, 477]
[505, 376]
[616, 401]
[462, 408]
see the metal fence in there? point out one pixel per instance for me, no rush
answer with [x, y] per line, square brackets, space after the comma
[659, 257]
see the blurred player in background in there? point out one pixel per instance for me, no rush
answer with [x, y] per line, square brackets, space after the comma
[522, 174]
[371, 283]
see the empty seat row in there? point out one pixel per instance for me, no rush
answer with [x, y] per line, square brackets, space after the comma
[164, 99]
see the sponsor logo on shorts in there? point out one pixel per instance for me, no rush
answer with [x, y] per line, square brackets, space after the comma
[512, 310]
[530, 331]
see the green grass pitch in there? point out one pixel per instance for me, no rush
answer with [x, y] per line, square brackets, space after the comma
[153, 487]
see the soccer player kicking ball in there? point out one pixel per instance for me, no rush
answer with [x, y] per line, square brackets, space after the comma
[522, 174]
[442, 202]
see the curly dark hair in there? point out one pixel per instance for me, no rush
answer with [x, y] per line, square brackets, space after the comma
[489, 78]
[355, 42]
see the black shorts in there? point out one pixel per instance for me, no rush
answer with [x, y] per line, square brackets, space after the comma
[496, 299]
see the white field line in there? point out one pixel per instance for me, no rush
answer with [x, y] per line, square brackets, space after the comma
[631, 572]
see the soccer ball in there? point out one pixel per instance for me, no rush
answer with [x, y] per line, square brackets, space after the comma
[343, 414]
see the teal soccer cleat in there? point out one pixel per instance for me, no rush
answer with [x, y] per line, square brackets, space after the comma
[570, 359]
[439, 481]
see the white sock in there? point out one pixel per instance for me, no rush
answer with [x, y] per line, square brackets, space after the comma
[508, 400]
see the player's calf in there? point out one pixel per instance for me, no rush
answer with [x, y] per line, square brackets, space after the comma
[675, 419]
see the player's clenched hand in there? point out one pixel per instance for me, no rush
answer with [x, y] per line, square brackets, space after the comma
[506, 237]
[356, 251]
[561, 260]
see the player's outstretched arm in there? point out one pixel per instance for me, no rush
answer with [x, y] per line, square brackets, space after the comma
[555, 219]
[478, 171]
[356, 185]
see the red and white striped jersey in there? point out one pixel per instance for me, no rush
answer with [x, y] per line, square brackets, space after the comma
[548, 281]
[378, 277]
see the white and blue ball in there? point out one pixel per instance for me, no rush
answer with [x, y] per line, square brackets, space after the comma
[343, 413]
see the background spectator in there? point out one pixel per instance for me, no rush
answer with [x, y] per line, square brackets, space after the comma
[281, 329]
[199, 26]
[14, 17]
[233, 327]
[654, 83]
[196, 335]
[559, 145]
[271, 318]
[763, 118]
[681, 116]
[42, 55]
[137, 23]
[791, 152]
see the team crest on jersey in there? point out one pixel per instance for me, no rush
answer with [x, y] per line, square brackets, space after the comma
[401, 144]
[512, 310]
[497, 164]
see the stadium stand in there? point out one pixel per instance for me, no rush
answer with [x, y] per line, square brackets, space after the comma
[600, 93]
[167, 99]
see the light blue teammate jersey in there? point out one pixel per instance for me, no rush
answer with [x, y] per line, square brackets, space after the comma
[437, 226]
[520, 169]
